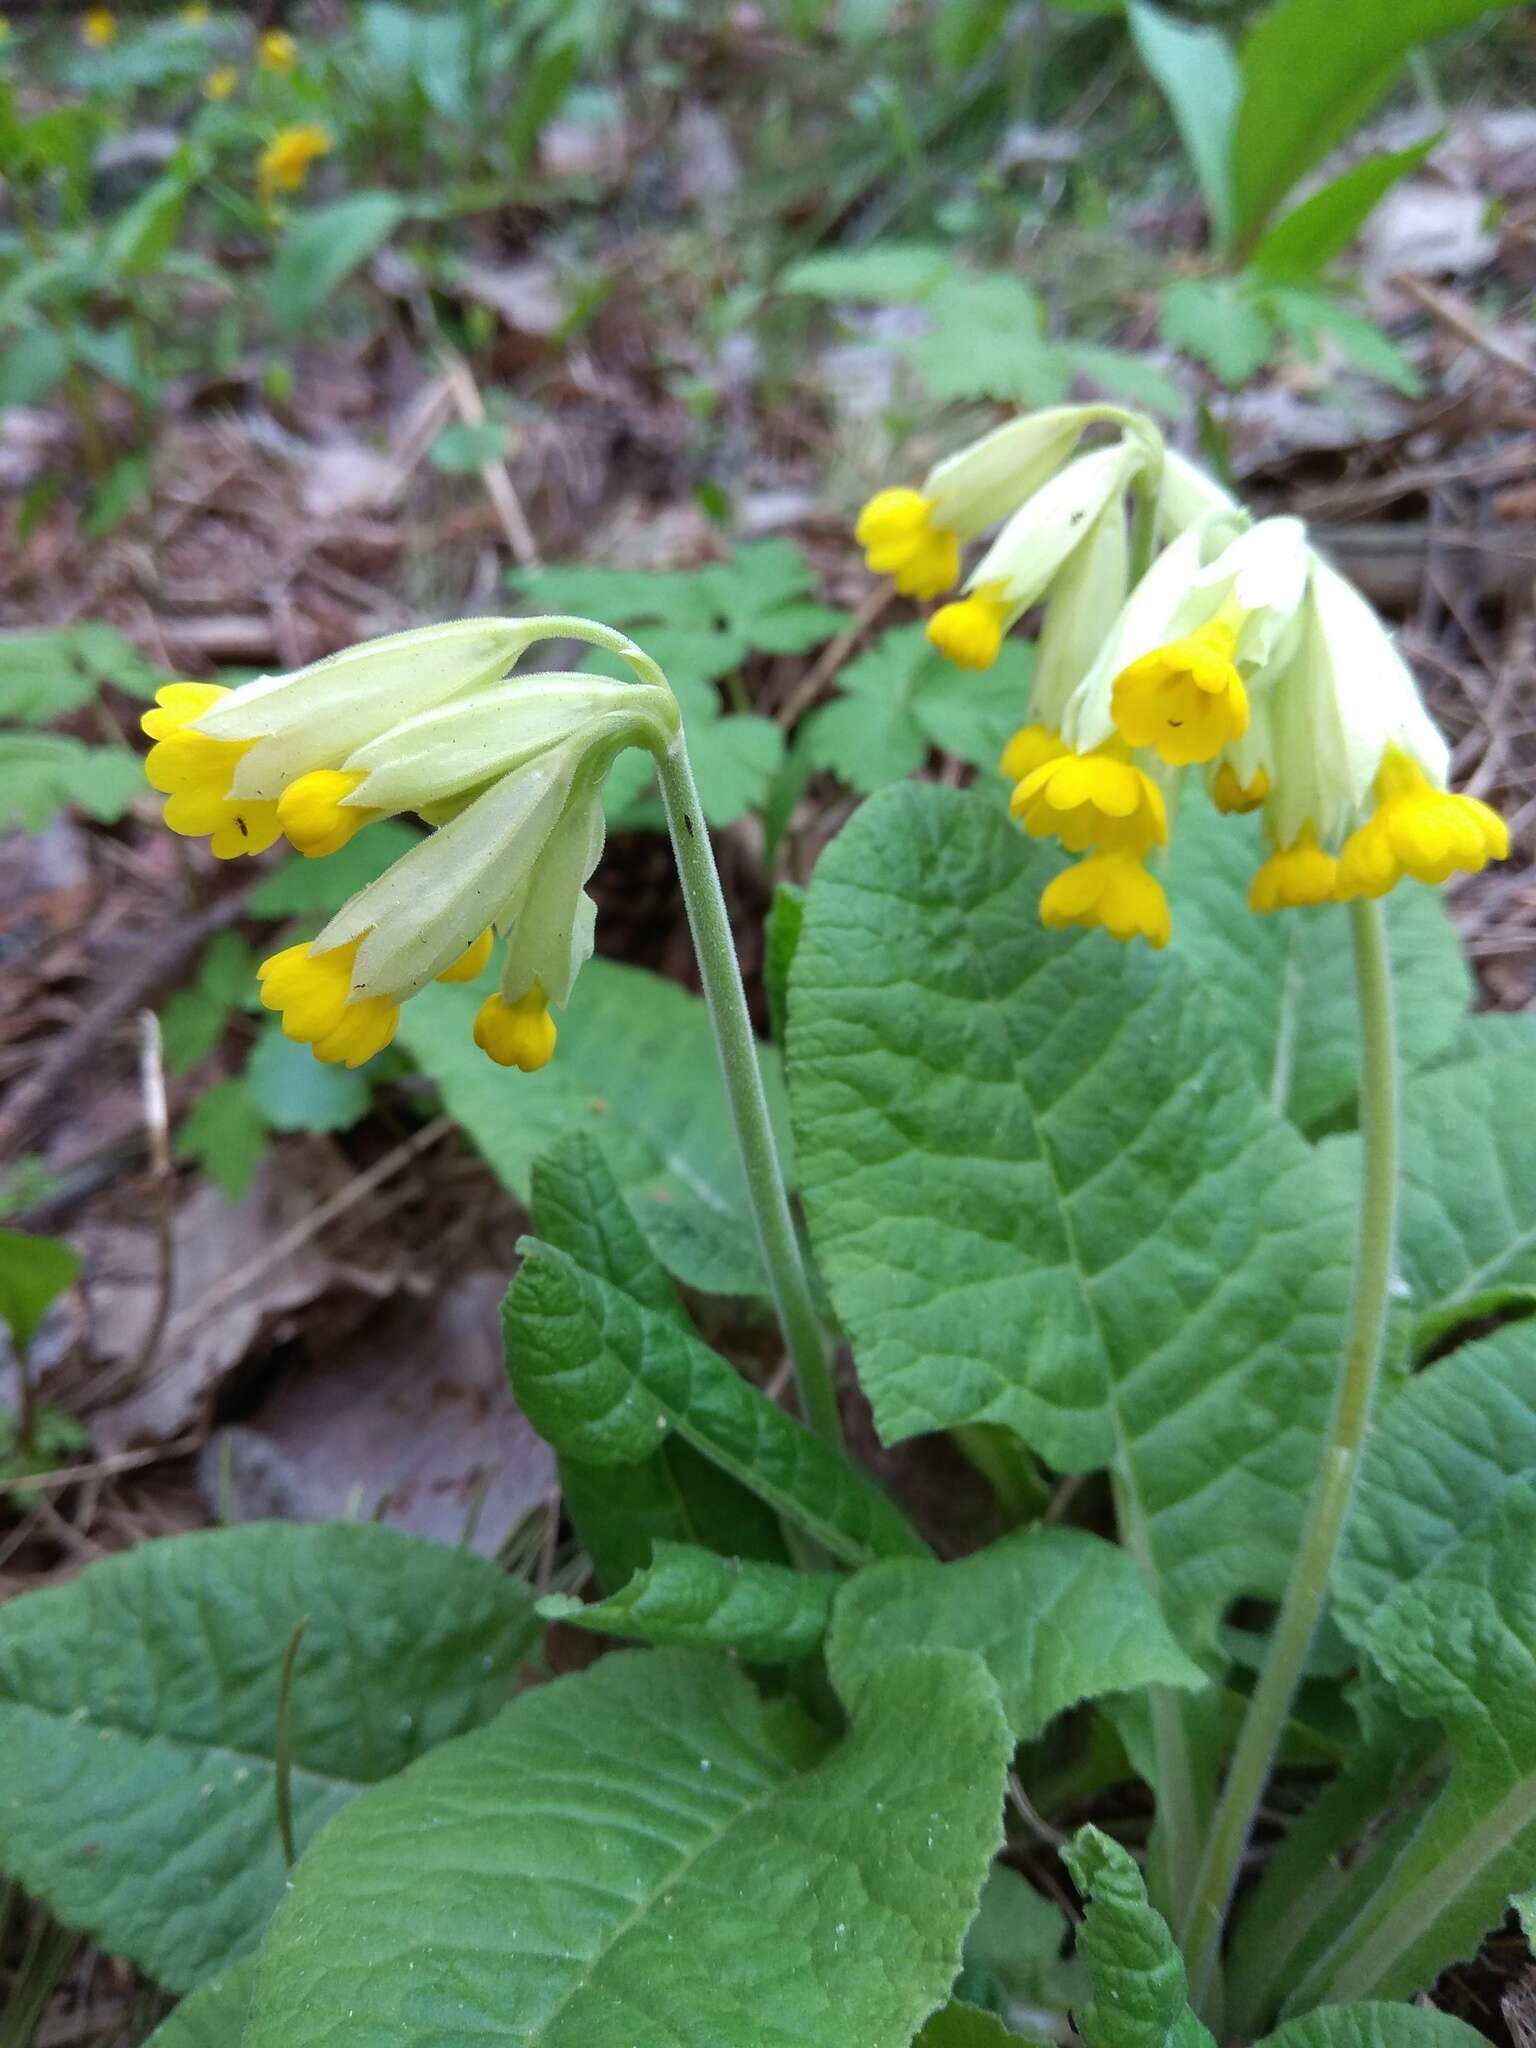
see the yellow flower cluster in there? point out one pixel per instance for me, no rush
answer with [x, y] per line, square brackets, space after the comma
[1237, 651]
[284, 164]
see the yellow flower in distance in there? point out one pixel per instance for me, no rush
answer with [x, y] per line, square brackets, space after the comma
[276, 51]
[99, 27]
[197, 774]
[1111, 890]
[284, 164]
[1186, 700]
[1418, 830]
[518, 1034]
[195, 15]
[1295, 877]
[1099, 800]
[220, 82]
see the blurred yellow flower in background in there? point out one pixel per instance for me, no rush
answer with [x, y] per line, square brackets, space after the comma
[277, 51]
[220, 82]
[99, 27]
[195, 16]
[284, 164]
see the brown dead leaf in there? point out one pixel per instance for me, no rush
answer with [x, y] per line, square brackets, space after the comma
[410, 1421]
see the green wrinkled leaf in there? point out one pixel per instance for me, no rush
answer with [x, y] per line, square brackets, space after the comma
[1443, 1453]
[226, 1134]
[637, 1068]
[195, 1019]
[1466, 1243]
[212, 2016]
[766, 1613]
[958, 2025]
[1003, 1130]
[138, 1707]
[1286, 983]
[1140, 1992]
[1197, 73]
[41, 773]
[603, 1370]
[1376, 2025]
[34, 1272]
[1348, 58]
[734, 761]
[1056, 1615]
[1013, 1953]
[1457, 1645]
[1218, 321]
[321, 247]
[606, 1861]
[1301, 246]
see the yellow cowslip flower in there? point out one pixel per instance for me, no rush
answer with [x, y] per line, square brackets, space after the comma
[1030, 748]
[284, 164]
[1233, 796]
[914, 536]
[1053, 525]
[5, 28]
[1112, 890]
[510, 771]
[517, 1034]
[197, 774]
[98, 26]
[1098, 800]
[1186, 700]
[1295, 876]
[1418, 830]
[195, 15]
[276, 51]
[220, 82]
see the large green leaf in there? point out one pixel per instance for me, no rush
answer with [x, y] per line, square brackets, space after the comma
[1376, 2025]
[636, 1068]
[605, 1368]
[320, 249]
[1046, 1194]
[1443, 1453]
[212, 2016]
[1198, 75]
[1140, 1992]
[1467, 1222]
[138, 1716]
[648, 1854]
[1058, 1616]
[767, 1613]
[1347, 56]
[1457, 1644]
[1302, 245]
[1287, 982]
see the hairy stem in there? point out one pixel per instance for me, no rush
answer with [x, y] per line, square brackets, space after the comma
[737, 1046]
[1270, 1707]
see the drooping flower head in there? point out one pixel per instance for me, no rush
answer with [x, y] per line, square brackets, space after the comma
[508, 769]
[98, 27]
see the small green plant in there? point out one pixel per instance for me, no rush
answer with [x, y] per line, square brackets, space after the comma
[1251, 136]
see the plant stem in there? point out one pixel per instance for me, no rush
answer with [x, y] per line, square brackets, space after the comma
[1270, 1706]
[737, 1046]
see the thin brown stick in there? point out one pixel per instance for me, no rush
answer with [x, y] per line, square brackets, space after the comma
[469, 405]
[832, 657]
[157, 1131]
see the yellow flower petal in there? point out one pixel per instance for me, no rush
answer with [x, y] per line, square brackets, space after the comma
[896, 531]
[1098, 799]
[520, 1034]
[471, 961]
[1418, 830]
[1234, 797]
[312, 811]
[1113, 891]
[1186, 700]
[1295, 877]
[970, 632]
[313, 993]
[195, 772]
[1030, 748]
